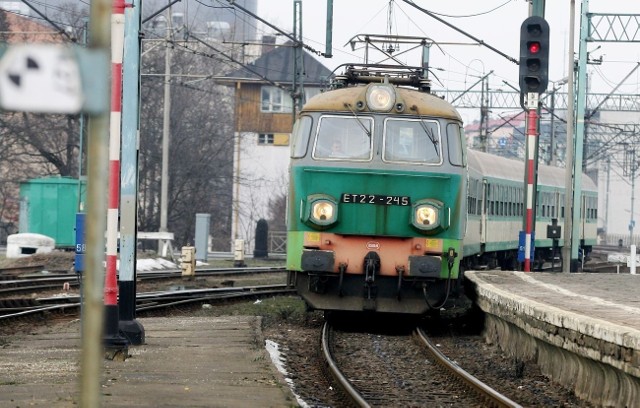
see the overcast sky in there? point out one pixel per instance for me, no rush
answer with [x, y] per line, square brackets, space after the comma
[497, 22]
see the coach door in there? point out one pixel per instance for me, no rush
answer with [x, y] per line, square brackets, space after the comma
[583, 215]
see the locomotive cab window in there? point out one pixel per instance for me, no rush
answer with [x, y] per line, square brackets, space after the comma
[413, 141]
[300, 136]
[455, 144]
[343, 138]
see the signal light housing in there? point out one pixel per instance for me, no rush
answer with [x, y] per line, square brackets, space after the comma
[534, 55]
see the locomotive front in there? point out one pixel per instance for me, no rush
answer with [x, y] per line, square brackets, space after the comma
[377, 200]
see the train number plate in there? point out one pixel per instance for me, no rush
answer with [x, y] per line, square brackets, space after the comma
[375, 199]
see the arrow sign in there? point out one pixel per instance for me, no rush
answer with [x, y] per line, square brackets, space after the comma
[40, 78]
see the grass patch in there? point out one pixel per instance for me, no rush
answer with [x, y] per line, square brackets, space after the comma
[290, 308]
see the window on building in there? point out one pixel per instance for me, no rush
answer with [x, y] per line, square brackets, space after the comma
[265, 138]
[275, 100]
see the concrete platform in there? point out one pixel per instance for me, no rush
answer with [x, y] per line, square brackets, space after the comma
[583, 329]
[186, 362]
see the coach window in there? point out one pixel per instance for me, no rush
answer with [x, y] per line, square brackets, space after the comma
[496, 200]
[520, 195]
[300, 136]
[343, 138]
[511, 200]
[455, 144]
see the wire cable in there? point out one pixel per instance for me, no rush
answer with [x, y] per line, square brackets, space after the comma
[476, 14]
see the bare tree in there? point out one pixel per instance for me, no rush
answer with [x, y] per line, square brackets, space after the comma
[278, 207]
[201, 146]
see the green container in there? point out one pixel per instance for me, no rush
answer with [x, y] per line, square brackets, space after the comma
[49, 205]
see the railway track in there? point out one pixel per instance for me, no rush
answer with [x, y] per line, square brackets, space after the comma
[391, 370]
[28, 282]
[145, 302]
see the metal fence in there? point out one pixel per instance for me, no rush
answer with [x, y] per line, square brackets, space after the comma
[623, 240]
[277, 242]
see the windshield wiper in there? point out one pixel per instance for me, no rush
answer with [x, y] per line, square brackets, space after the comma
[427, 130]
[367, 131]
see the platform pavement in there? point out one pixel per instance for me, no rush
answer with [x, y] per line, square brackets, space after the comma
[585, 327]
[185, 362]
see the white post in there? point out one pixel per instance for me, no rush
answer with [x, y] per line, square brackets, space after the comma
[632, 259]
[188, 262]
[238, 253]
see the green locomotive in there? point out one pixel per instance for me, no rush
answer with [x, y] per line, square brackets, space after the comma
[377, 198]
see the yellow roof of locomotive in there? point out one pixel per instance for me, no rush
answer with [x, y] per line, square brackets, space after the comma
[428, 104]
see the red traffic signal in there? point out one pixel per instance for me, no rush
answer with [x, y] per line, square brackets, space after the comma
[534, 47]
[534, 55]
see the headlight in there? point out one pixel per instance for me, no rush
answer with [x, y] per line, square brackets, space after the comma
[427, 215]
[322, 210]
[381, 97]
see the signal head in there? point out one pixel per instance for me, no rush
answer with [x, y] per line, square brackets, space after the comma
[534, 55]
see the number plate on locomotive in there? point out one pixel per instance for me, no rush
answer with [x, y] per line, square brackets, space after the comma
[375, 199]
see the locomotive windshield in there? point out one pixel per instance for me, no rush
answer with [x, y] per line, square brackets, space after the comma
[412, 140]
[341, 137]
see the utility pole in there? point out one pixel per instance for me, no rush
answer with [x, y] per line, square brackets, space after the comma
[568, 184]
[114, 343]
[537, 8]
[131, 328]
[552, 136]
[581, 99]
[606, 199]
[92, 353]
[630, 169]
[483, 114]
[298, 60]
[166, 123]
[328, 53]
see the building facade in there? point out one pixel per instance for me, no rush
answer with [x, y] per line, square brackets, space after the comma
[263, 121]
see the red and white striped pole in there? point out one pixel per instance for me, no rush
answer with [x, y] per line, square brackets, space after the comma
[532, 133]
[112, 336]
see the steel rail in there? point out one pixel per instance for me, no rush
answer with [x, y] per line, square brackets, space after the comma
[213, 271]
[160, 300]
[35, 283]
[218, 297]
[32, 311]
[342, 381]
[475, 384]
